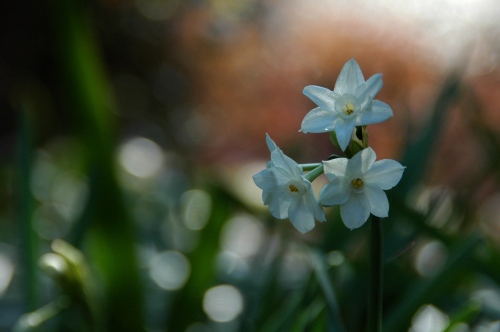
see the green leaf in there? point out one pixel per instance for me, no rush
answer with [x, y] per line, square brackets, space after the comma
[186, 307]
[426, 290]
[26, 203]
[468, 313]
[320, 270]
[310, 316]
[109, 234]
[290, 305]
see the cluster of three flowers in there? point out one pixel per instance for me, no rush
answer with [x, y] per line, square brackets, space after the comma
[357, 185]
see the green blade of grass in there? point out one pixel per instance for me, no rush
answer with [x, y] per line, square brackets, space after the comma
[424, 291]
[109, 235]
[468, 313]
[310, 316]
[186, 307]
[320, 271]
[25, 207]
[285, 311]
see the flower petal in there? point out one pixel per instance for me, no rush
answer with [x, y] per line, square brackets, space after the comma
[334, 193]
[369, 89]
[379, 204]
[335, 168]
[281, 176]
[270, 143]
[360, 163]
[349, 79]
[319, 121]
[280, 160]
[322, 97]
[279, 204]
[343, 130]
[314, 206]
[268, 197]
[368, 157]
[355, 211]
[300, 215]
[376, 113]
[385, 174]
[265, 180]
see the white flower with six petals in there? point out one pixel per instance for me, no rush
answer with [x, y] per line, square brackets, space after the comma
[287, 192]
[358, 185]
[350, 104]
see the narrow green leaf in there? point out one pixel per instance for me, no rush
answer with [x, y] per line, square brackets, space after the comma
[466, 315]
[25, 206]
[309, 316]
[423, 292]
[319, 267]
[284, 313]
[186, 307]
[110, 235]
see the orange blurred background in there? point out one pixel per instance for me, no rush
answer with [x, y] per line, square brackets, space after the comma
[208, 79]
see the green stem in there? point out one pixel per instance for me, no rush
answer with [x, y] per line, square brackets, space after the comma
[312, 175]
[376, 276]
[309, 167]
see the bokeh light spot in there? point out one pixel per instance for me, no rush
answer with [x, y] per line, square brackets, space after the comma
[223, 303]
[197, 208]
[232, 265]
[335, 258]
[141, 157]
[489, 299]
[429, 319]
[53, 264]
[69, 194]
[6, 272]
[44, 172]
[430, 259]
[170, 269]
[242, 235]
[241, 183]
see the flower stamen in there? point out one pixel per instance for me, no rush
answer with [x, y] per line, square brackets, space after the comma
[357, 183]
[349, 109]
[293, 188]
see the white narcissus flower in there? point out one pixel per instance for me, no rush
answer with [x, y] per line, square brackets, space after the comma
[350, 104]
[358, 185]
[287, 192]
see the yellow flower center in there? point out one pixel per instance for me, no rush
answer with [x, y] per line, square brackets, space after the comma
[347, 105]
[349, 108]
[293, 188]
[357, 183]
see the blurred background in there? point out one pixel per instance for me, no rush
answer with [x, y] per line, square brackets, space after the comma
[129, 132]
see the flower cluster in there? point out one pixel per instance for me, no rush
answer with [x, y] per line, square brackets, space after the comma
[357, 182]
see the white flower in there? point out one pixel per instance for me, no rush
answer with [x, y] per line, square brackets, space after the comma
[358, 185]
[287, 192]
[350, 104]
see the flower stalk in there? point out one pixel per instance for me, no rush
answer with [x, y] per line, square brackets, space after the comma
[357, 181]
[312, 175]
[309, 167]
[376, 276]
